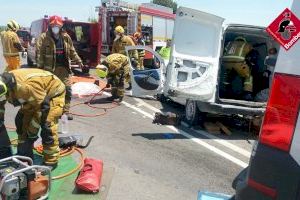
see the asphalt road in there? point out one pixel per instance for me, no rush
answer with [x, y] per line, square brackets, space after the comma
[154, 162]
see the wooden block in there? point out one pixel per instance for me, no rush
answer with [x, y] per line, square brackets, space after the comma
[224, 128]
[212, 128]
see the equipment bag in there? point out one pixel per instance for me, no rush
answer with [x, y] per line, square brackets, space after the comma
[90, 175]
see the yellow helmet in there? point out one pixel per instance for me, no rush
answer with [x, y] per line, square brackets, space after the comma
[101, 71]
[119, 29]
[3, 90]
[240, 38]
[13, 25]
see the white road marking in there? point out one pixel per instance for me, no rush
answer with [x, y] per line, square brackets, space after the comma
[203, 133]
[197, 140]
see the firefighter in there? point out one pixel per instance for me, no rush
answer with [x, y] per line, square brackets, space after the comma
[41, 96]
[115, 68]
[235, 59]
[12, 46]
[141, 53]
[55, 51]
[166, 51]
[119, 44]
[121, 40]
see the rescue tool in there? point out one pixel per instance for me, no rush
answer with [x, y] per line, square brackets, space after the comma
[20, 179]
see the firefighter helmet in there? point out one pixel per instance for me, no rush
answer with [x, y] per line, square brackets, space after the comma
[101, 71]
[119, 29]
[55, 21]
[13, 25]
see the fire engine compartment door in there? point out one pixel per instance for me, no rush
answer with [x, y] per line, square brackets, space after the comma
[194, 62]
[147, 80]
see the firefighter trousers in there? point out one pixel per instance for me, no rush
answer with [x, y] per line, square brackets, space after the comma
[140, 65]
[243, 70]
[51, 111]
[64, 74]
[117, 81]
[13, 62]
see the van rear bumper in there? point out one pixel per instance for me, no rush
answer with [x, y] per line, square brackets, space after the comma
[229, 109]
[270, 168]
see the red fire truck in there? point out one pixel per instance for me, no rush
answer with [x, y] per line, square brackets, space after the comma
[153, 21]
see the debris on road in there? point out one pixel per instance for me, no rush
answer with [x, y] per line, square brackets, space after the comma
[167, 118]
[212, 128]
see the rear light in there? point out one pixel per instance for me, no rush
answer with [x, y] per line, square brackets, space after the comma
[282, 112]
[262, 188]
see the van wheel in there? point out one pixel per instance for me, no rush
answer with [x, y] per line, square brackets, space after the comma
[192, 112]
[29, 61]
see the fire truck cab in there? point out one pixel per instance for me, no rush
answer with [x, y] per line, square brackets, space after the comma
[153, 21]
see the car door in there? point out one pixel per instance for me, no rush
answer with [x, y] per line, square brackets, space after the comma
[194, 62]
[146, 78]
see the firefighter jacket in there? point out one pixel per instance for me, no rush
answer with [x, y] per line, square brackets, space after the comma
[46, 51]
[236, 51]
[31, 88]
[120, 44]
[141, 53]
[117, 62]
[10, 43]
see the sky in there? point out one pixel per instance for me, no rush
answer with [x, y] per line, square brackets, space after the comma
[252, 12]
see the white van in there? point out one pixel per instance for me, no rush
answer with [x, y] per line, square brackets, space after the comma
[194, 74]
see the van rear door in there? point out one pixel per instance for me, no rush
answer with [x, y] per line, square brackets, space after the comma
[194, 62]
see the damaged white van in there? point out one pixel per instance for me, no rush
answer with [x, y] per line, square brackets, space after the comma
[212, 69]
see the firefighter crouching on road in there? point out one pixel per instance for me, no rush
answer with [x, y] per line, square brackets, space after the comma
[141, 53]
[55, 51]
[115, 68]
[12, 46]
[41, 96]
[234, 59]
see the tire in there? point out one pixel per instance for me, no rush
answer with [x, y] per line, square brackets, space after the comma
[192, 112]
[29, 62]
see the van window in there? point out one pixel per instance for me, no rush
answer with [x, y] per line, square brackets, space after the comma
[199, 41]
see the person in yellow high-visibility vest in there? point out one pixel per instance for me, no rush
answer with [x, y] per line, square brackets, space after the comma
[166, 51]
[12, 46]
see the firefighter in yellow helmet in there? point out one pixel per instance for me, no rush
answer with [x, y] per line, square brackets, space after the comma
[235, 59]
[121, 40]
[54, 53]
[115, 68]
[41, 96]
[12, 46]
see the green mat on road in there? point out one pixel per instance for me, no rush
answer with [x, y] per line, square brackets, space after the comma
[64, 188]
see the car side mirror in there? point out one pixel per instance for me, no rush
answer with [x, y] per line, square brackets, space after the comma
[270, 61]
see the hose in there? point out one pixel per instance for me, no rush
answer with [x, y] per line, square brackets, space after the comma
[82, 156]
[63, 153]
[88, 103]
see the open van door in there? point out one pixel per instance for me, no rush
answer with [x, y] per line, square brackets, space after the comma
[193, 69]
[146, 76]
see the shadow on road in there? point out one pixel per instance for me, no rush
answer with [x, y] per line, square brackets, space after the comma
[160, 136]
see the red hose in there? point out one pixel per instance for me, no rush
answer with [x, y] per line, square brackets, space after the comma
[88, 103]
